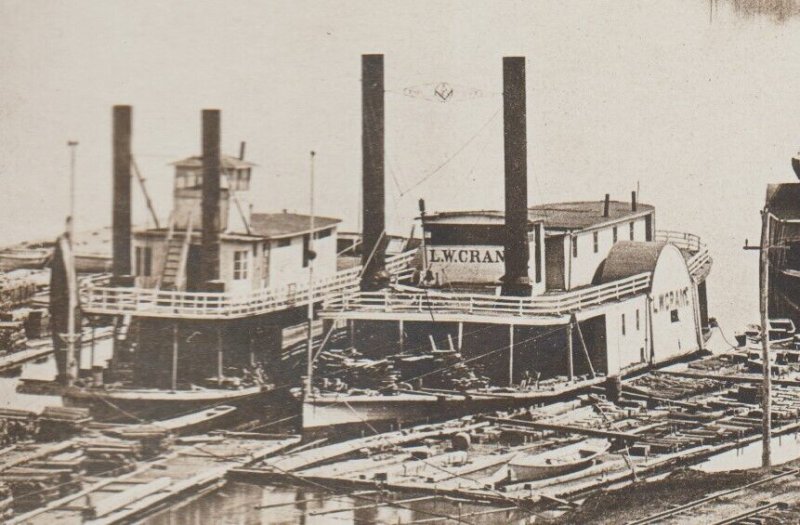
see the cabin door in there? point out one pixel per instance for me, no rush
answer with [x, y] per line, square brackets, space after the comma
[193, 265]
[554, 262]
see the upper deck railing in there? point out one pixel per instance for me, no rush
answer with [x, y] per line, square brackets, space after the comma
[202, 305]
[435, 302]
[699, 262]
[432, 302]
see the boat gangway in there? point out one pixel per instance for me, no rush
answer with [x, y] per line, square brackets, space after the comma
[147, 302]
[548, 308]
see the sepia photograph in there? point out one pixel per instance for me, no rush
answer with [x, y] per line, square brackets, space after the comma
[363, 262]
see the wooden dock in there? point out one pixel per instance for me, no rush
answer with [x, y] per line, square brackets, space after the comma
[43, 347]
[198, 465]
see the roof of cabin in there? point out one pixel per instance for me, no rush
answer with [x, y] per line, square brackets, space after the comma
[472, 217]
[629, 258]
[228, 162]
[783, 200]
[585, 214]
[562, 216]
[277, 225]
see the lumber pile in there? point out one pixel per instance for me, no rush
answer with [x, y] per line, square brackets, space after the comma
[12, 336]
[107, 457]
[35, 487]
[57, 423]
[15, 291]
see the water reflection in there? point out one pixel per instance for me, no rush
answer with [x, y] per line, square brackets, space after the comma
[240, 503]
[784, 449]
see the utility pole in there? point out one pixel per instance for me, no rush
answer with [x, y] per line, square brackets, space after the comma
[766, 390]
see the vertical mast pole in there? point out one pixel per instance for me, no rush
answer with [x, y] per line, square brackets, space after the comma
[766, 391]
[72, 367]
[310, 255]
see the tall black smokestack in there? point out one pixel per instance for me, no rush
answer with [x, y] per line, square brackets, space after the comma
[373, 248]
[211, 196]
[517, 252]
[121, 215]
[634, 207]
[606, 205]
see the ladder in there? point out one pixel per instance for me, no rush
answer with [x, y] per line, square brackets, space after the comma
[173, 271]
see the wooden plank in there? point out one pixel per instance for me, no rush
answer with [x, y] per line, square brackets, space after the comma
[568, 429]
[122, 499]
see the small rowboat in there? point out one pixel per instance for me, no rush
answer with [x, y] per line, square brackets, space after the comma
[529, 467]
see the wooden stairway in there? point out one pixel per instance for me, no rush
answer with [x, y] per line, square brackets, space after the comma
[173, 271]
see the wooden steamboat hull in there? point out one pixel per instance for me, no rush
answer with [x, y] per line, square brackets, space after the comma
[131, 405]
[344, 414]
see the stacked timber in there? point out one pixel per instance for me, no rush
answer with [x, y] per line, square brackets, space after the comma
[672, 387]
[351, 369]
[17, 426]
[106, 457]
[152, 439]
[15, 291]
[35, 487]
[56, 423]
[12, 337]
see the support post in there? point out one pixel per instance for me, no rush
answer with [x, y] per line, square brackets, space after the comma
[460, 335]
[250, 349]
[219, 356]
[511, 355]
[174, 381]
[570, 364]
[766, 390]
[583, 346]
[402, 334]
[91, 357]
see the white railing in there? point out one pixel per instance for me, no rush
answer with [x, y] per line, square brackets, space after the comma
[684, 241]
[476, 304]
[204, 305]
[699, 261]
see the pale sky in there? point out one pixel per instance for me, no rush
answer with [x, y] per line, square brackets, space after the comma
[701, 113]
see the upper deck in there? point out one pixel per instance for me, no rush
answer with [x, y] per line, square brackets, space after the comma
[548, 308]
[151, 302]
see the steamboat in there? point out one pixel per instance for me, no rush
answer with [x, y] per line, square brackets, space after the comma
[509, 308]
[198, 306]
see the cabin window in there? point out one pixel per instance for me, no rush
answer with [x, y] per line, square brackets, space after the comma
[614, 233]
[322, 234]
[595, 243]
[537, 250]
[284, 242]
[637, 319]
[674, 316]
[241, 258]
[623, 324]
[306, 245]
[144, 261]
[630, 226]
[575, 246]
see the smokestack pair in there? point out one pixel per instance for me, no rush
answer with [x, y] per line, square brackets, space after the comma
[121, 215]
[517, 253]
